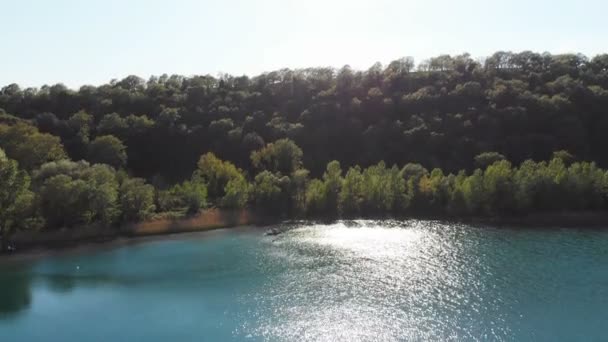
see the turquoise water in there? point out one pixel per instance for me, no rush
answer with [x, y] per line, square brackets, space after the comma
[349, 281]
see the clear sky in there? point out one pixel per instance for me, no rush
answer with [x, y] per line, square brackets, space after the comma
[80, 42]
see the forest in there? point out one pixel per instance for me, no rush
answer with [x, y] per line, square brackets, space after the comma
[510, 134]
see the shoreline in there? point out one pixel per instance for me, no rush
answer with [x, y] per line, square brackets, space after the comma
[97, 234]
[545, 220]
[94, 237]
[87, 246]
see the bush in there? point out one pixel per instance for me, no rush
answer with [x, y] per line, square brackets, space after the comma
[136, 199]
[191, 195]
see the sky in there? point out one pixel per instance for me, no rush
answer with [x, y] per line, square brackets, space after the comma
[78, 42]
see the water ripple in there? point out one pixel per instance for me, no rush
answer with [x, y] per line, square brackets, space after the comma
[373, 281]
[349, 281]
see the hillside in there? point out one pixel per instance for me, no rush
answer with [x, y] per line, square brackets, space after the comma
[512, 135]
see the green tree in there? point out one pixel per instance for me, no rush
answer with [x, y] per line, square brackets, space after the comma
[457, 204]
[434, 191]
[169, 117]
[270, 192]
[498, 187]
[282, 156]
[60, 203]
[136, 199]
[299, 183]
[138, 124]
[61, 167]
[585, 187]
[565, 156]
[384, 190]
[412, 174]
[29, 147]
[473, 192]
[352, 192]
[114, 124]
[39, 149]
[108, 149]
[528, 181]
[332, 181]
[236, 193]
[217, 174]
[81, 123]
[316, 198]
[77, 194]
[486, 159]
[191, 195]
[16, 201]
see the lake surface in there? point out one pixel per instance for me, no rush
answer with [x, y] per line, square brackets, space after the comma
[349, 281]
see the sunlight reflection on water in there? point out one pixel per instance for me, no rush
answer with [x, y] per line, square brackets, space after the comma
[373, 281]
[347, 281]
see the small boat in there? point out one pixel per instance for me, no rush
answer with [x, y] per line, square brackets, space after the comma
[272, 232]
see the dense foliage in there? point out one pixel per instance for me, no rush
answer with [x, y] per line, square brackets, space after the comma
[441, 113]
[132, 148]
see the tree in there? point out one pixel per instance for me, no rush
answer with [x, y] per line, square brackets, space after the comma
[498, 191]
[217, 174]
[77, 135]
[473, 193]
[114, 124]
[457, 205]
[282, 156]
[585, 186]
[332, 183]
[61, 167]
[137, 124]
[486, 159]
[316, 198]
[60, 202]
[73, 194]
[39, 149]
[29, 147]
[565, 156]
[352, 193]
[16, 201]
[80, 123]
[136, 199]
[236, 193]
[270, 193]
[299, 183]
[252, 141]
[529, 180]
[189, 196]
[108, 149]
[434, 191]
[412, 174]
[169, 117]
[384, 190]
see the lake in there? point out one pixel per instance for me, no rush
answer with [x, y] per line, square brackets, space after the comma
[348, 281]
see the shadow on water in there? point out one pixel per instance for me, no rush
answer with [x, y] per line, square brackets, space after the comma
[16, 286]
[60, 283]
[15, 293]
